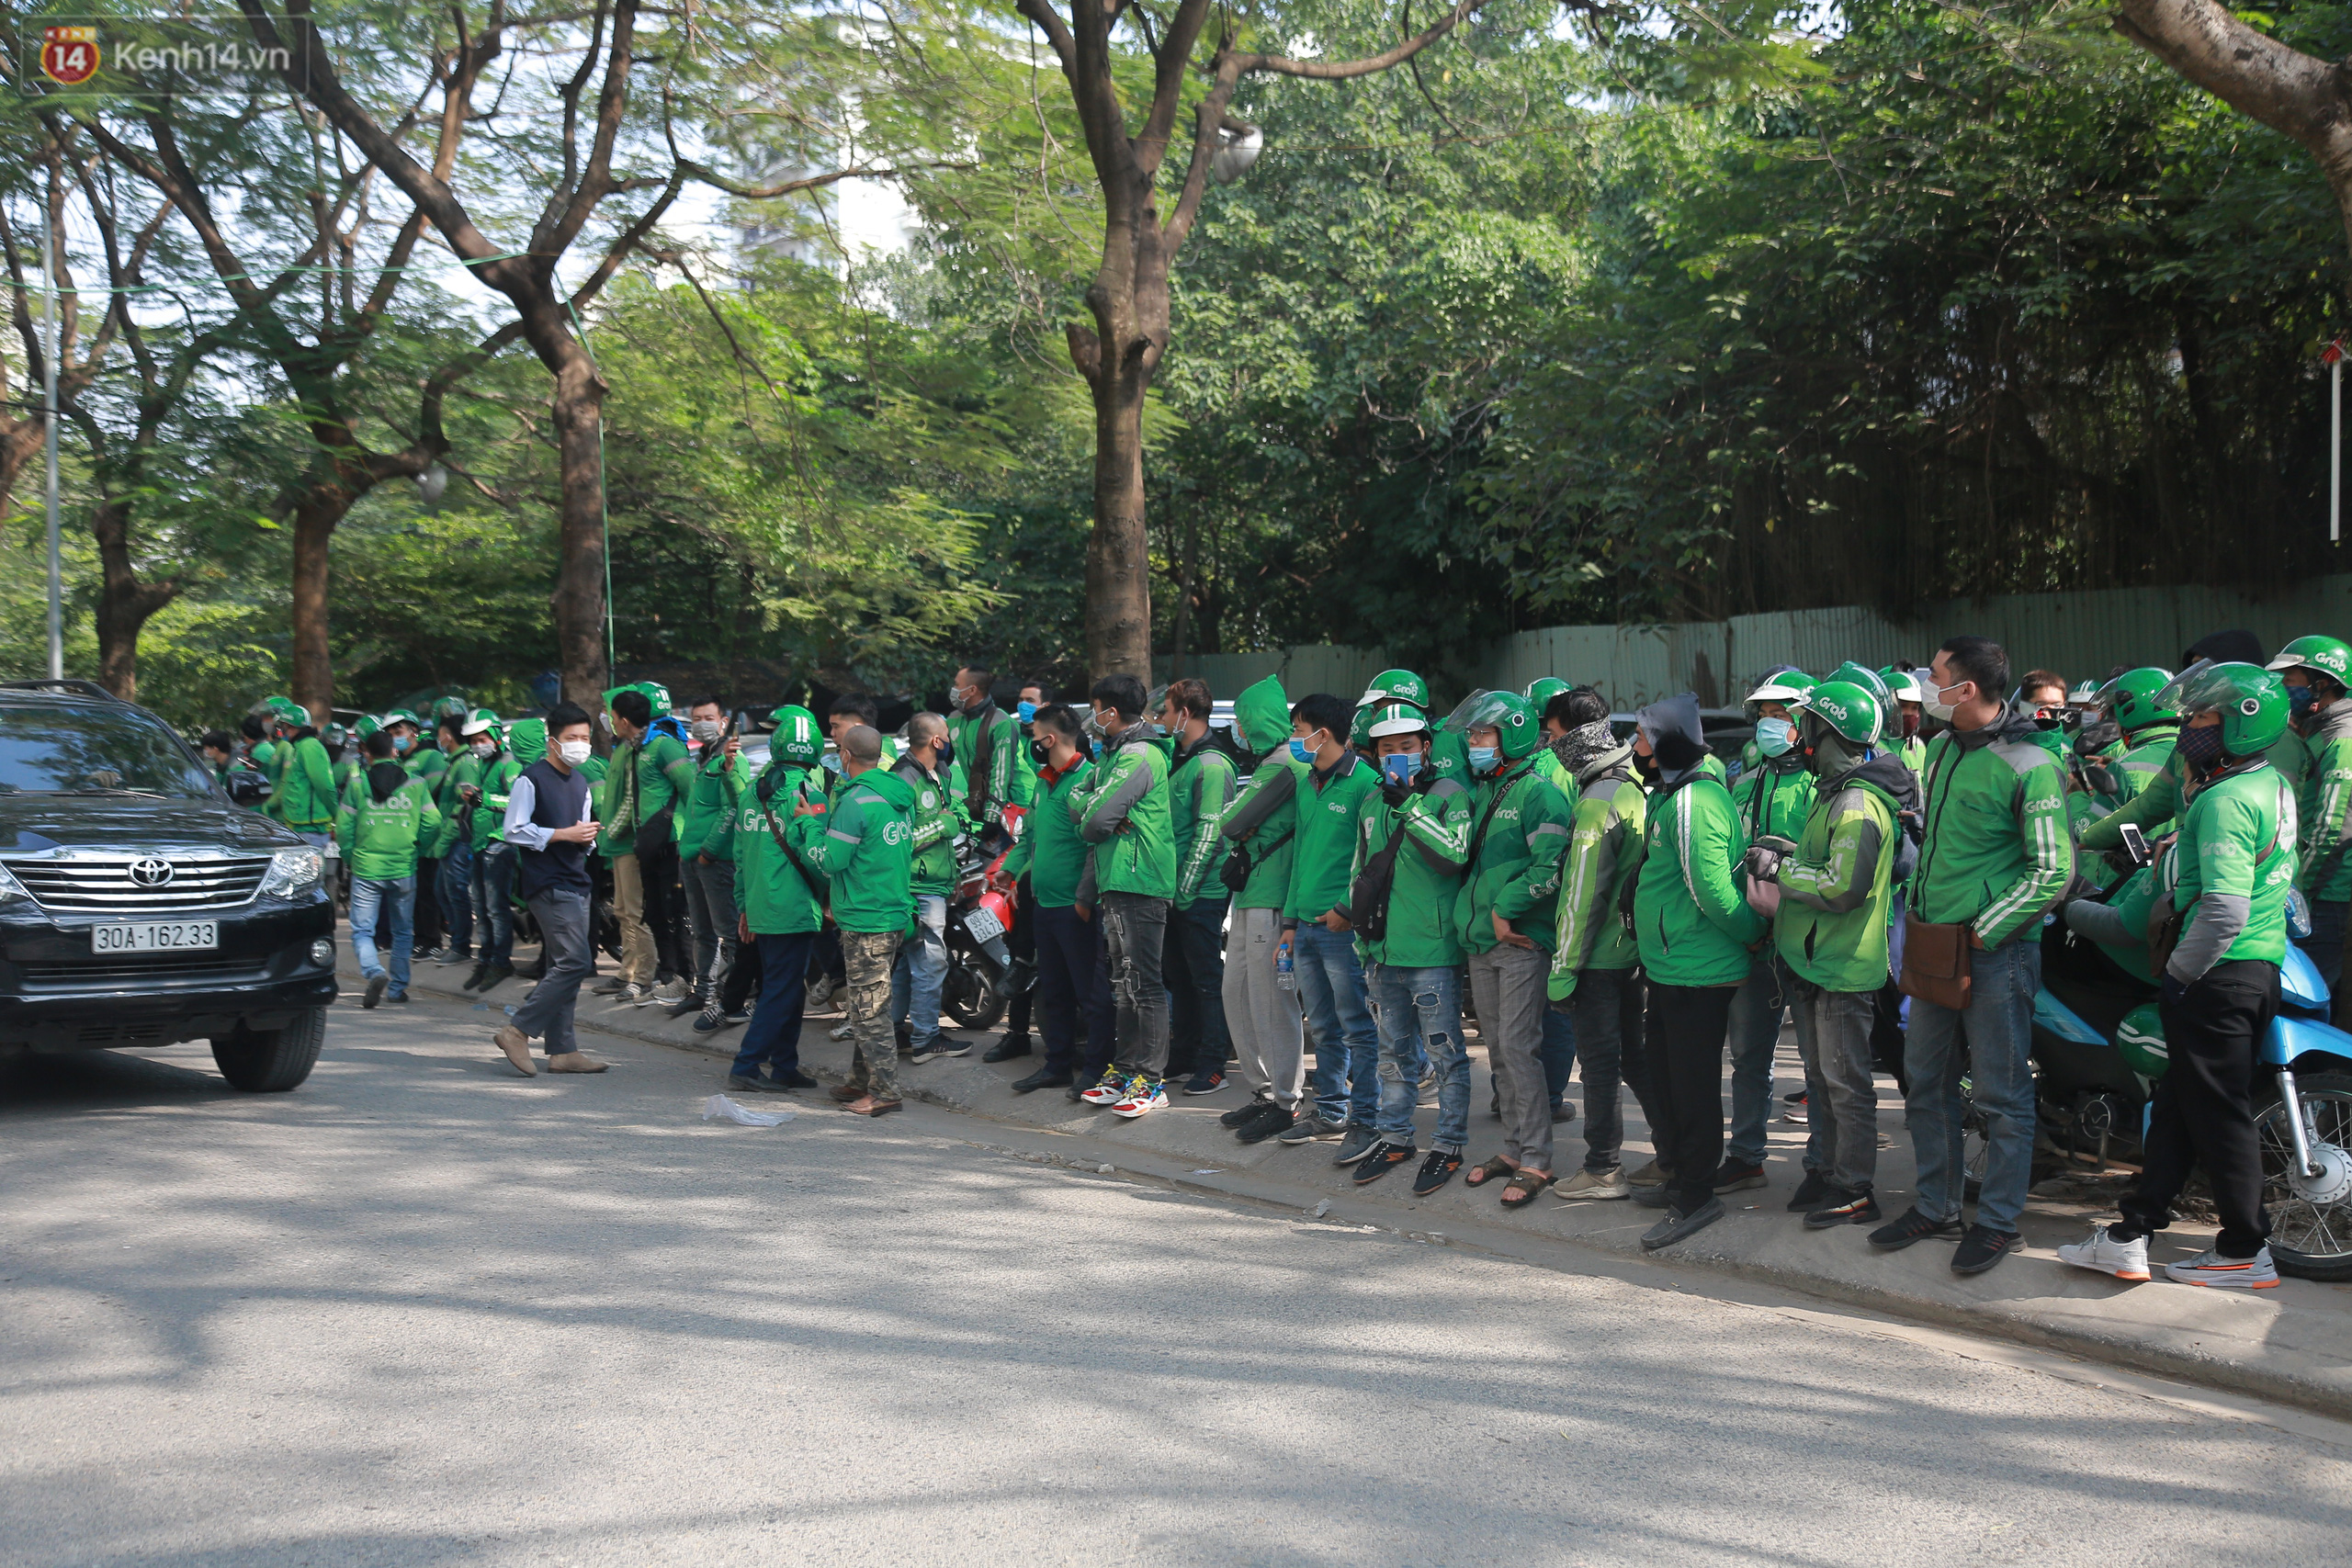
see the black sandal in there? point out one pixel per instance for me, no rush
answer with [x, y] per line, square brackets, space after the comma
[1492, 1170]
[1527, 1184]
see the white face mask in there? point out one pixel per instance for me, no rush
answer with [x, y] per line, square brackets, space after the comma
[1938, 709]
[707, 730]
[485, 748]
[574, 752]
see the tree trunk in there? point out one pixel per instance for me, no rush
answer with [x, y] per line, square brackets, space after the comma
[578, 599]
[1118, 553]
[125, 603]
[314, 526]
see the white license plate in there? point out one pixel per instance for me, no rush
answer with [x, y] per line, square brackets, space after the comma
[983, 926]
[155, 936]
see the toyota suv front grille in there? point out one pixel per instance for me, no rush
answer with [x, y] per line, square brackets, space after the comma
[91, 886]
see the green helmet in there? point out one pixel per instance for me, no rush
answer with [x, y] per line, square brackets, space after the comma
[2136, 698]
[450, 707]
[334, 735]
[402, 715]
[2251, 700]
[1870, 681]
[799, 738]
[2326, 655]
[1392, 718]
[366, 725]
[1784, 685]
[1396, 686]
[286, 710]
[2140, 1040]
[526, 740]
[1508, 713]
[1855, 712]
[1541, 690]
[482, 721]
[657, 695]
[1904, 685]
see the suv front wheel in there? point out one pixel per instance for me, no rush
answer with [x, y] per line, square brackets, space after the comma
[271, 1061]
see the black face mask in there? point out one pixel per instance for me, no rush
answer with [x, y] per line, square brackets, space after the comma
[1645, 764]
[2201, 746]
[1041, 753]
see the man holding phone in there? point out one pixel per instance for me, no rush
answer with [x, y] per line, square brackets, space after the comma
[551, 822]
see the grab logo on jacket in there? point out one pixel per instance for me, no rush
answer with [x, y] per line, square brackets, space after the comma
[893, 832]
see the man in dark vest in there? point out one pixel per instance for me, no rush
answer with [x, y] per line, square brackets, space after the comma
[551, 822]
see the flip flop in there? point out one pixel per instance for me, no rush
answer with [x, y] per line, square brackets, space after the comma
[1480, 1175]
[1527, 1184]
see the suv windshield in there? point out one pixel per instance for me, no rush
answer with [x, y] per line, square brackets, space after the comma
[44, 751]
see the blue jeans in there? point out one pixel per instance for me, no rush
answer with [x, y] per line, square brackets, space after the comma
[920, 973]
[494, 904]
[774, 1034]
[1346, 1081]
[1756, 1011]
[396, 896]
[454, 887]
[1558, 1054]
[1991, 1042]
[1420, 1015]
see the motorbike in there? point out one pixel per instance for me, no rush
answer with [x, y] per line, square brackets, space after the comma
[982, 973]
[2099, 1052]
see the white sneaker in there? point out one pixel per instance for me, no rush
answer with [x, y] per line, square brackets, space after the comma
[630, 995]
[1597, 1184]
[821, 991]
[2210, 1268]
[670, 991]
[1109, 1090]
[1144, 1095]
[2104, 1254]
[840, 1031]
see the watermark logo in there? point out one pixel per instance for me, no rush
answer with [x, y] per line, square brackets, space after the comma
[153, 58]
[69, 55]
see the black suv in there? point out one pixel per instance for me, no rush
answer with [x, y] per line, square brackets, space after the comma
[139, 907]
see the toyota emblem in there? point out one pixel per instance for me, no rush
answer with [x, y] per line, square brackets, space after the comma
[150, 873]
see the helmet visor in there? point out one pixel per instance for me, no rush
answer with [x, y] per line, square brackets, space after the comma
[1480, 710]
[2194, 690]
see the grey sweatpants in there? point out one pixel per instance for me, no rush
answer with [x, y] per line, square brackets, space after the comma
[1507, 984]
[1834, 1039]
[1269, 1032]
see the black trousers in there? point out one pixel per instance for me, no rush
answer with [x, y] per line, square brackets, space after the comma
[428, 907]
[1688, 1026]
[665, 906]
[1021, 943]
[2202, 1116]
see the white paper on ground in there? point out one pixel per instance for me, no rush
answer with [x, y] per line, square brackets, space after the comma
[719, 1105]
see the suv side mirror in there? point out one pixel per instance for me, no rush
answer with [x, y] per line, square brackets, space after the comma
[247, 789]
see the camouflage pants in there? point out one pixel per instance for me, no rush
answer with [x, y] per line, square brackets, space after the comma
[869, 956]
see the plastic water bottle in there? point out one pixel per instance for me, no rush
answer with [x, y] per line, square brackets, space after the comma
[1286, 972]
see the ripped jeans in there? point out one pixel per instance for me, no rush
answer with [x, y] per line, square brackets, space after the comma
[1135, 927]
[1419, 1012]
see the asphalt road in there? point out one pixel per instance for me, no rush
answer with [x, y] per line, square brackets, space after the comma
[423, 1310]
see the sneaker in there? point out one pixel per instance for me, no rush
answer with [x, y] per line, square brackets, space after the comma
[1272, 1121]
[2210, 1268]
[398, 999]
[683, 1006]
[711, 1022]
[1981, 1246]
[1380, 1159]
[837, 1031]
[948, 1046]
[497, 973]
[1733, 1176]
[1108, 1089]
[1354, 1144]
[1597, 1184]
[430, 955]
[1205, 1081]
[631, 996]
[1310, 1127]
[931, 1050]
[1436, 1171]
[1145, 1094]
[1562, 1113]
[1678, 1225]
[1792, 1109]
[475, 978]
[739, 1015]
[611, 985]
[1810, 1194]
[1241, 1113]
[1843, 1208]
[448, 955]
[2125, 1260]
[752, 1083]
[1909, 1226]
[1654, 1174]
[376, 985]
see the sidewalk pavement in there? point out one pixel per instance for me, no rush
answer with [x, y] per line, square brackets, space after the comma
[2292, 1344]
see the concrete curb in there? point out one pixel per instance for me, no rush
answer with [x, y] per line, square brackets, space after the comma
[2292, 1345]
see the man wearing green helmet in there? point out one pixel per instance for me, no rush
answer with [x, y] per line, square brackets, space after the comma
[1910, 712]
[1836, 895]
[305, 797]
[1338, 787]
[2236, 866]
[1772, 800]
[1697, 940]
[1505, 910]
[2316, 670]
[1403, 686]
[779, 898]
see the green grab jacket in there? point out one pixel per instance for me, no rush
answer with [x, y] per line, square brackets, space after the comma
[381, 839]
[1997, 853]
[1200, 786]
[937, 820]
[772, 896]
[498, 776]
[1606, 841]
[1049, 850]
[1006, 782]
[2324, 869]
[1691, 912]
[304, 798]
[1516, 871]
[1773, 797]
[1436, 820]
[1329, 805]
[862, 847]
[2159, 797]
[2236, 864]
[1836, 888]
[465, 770]
[1123, 811]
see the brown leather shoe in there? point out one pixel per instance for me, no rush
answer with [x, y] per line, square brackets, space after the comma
[576, 1062]
[517, 1046]
[843, 1093]
[866, 1105]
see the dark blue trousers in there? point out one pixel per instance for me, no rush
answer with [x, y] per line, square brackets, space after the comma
[1073, 972]
[774, 1034]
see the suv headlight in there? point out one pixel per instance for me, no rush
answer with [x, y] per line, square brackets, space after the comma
[291, 872]
[11, 890]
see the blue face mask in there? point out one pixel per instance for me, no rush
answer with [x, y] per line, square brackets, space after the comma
[1399, 767]
[1775, 736]
[403, 742]
[947, 753]
[1484, 758]
[1028, 711]
[1298, 751]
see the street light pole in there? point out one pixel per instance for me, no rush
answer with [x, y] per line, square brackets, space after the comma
[48, 422]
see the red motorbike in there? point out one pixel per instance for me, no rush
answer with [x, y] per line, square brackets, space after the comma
[982, 973]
